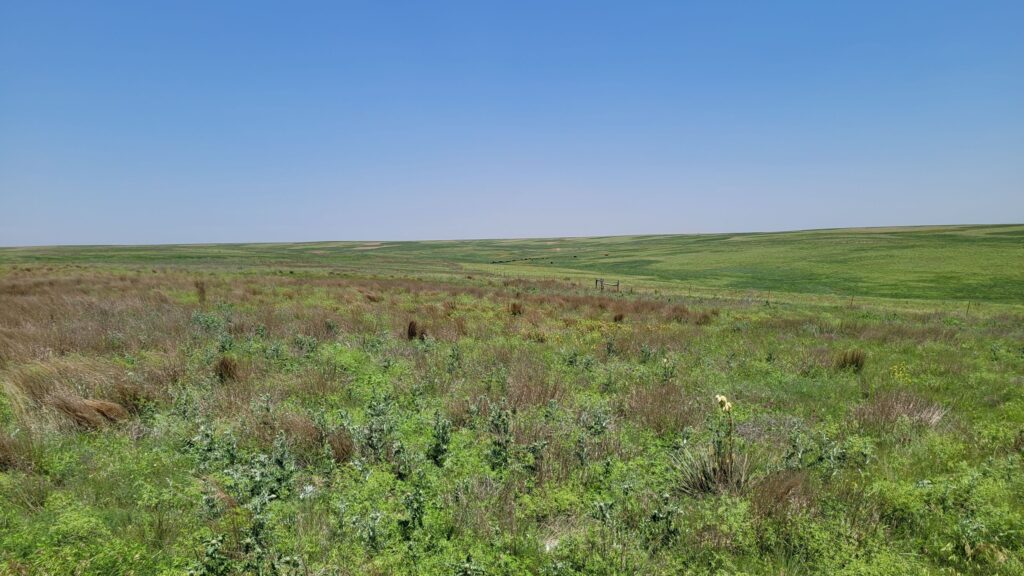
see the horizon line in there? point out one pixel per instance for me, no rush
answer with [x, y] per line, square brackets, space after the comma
[494, 239]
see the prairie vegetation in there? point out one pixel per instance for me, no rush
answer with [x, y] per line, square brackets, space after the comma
[221, 414]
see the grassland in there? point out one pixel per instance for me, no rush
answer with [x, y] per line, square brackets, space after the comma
[480, 407]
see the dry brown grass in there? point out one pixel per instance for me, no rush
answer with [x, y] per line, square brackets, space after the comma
[303, 435]
[88, 414]
[783, 494]
[528, 383]
[459, 408]
[886, 409]
[83, 392]
[705, 318]
[342, 446]
[661, 408]
[87, 313]
[226, 369]
[15, 452]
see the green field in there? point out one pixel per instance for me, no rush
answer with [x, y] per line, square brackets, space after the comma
[480, 407]
[979, 263]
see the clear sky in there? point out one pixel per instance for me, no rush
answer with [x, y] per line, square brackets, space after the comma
[179, 121]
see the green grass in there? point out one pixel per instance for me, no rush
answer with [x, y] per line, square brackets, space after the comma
[976, 263]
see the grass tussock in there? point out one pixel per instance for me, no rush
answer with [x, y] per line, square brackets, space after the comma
[414, 331]
[200, 286]
[226, 369]
[853, 360]
[342, 445]
[704, 472]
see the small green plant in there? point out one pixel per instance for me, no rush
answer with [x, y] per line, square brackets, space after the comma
[468, 568]
[414, 509]
[370, 530]
[213, 561]
[306, 345]
[441, 438]
[378, 429]
[500, 453]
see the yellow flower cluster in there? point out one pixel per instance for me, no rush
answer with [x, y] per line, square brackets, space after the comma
[723, 403]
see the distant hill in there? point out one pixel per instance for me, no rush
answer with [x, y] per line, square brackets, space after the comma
[981, 263]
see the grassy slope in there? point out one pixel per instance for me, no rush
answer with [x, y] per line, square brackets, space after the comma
[980, 263]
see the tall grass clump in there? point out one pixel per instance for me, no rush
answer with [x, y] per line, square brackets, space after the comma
[853, 360]
[226, 369]
[200, 286]
[414, 331]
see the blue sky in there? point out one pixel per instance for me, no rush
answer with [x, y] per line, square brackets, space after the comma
[178, 121]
